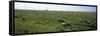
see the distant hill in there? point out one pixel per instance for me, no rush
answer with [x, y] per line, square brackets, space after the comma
[49, 10]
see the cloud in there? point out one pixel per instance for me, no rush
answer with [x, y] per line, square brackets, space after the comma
[54, 7]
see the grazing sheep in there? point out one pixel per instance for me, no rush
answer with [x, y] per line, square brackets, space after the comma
[85, 21]
[67, 25]
[64, 23]
[23, 19]
[61, 20]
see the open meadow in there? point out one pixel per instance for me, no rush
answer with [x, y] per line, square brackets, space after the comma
[38, 21]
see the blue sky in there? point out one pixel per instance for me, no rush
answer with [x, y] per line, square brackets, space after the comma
[53, 7]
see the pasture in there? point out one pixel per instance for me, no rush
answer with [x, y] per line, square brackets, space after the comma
[33, 21]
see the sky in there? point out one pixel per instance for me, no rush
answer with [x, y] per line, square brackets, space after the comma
[53, 7]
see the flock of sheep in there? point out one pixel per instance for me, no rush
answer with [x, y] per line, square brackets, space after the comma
[66, 24]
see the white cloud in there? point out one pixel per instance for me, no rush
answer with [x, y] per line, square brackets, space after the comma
[37, 6]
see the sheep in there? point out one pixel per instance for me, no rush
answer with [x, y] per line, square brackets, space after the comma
[23, 19]
[85, 21]
[65, 24]
[61, 20]
[89, 23]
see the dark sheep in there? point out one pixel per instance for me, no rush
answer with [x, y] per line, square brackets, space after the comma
[90, 23]
[23, 19]
[85, 21]
[62, 21]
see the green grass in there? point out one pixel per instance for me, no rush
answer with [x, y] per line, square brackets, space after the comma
[35, 21]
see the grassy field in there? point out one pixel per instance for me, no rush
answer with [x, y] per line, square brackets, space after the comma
[35, 21]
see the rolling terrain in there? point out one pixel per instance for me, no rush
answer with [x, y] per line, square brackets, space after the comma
[35, 21]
